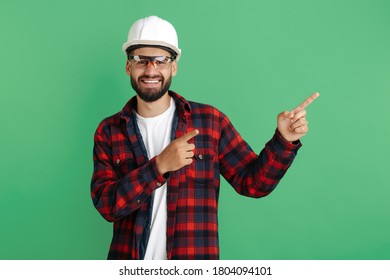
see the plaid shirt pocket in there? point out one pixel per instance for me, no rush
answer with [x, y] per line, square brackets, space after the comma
[202, 168]
[124, 164]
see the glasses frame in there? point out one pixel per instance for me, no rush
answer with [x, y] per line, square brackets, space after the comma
[151, 60]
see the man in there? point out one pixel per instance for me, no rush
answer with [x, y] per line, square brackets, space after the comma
[157, 163]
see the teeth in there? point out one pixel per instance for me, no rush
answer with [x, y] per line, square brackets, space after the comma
[151, 82]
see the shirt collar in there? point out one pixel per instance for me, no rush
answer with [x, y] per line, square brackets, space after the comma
[182, 105]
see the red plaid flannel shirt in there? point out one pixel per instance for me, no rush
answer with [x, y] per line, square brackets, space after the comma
[124, 179]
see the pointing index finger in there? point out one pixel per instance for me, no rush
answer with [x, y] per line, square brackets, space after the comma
[308, 100]
[190, 135]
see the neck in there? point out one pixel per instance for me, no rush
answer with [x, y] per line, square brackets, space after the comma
[153, 109]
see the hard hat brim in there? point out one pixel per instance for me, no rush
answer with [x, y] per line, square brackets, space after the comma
[151, 43]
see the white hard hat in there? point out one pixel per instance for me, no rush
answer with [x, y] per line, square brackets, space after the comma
[153, 31]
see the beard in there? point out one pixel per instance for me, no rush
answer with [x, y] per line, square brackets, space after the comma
[151, 95]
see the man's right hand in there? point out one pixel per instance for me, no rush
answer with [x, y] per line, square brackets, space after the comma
[177, 154]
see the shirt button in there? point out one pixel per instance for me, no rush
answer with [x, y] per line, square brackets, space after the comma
[158, 184]
[200, 156]
[118, 161]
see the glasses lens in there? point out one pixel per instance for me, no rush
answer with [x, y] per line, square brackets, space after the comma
[141, 61]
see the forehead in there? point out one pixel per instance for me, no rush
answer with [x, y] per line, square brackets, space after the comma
[150, 52]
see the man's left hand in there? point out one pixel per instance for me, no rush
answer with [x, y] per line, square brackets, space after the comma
[293, 125]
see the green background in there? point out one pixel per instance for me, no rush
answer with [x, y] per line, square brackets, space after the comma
[62, 72]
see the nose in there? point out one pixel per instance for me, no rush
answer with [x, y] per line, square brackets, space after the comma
[151, 67]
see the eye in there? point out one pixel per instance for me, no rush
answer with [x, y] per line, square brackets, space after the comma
[142, 62]
[161, 60]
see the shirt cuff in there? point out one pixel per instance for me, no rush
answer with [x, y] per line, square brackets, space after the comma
[151, 176]
[287, 145]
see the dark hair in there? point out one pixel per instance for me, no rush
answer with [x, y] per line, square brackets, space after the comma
[134, 47]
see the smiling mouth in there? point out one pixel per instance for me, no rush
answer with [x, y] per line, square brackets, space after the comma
[150, 82]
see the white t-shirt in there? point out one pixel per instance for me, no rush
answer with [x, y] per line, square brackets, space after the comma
[156, 134]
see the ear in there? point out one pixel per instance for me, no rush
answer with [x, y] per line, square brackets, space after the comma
[128, 68]
[174, 68]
